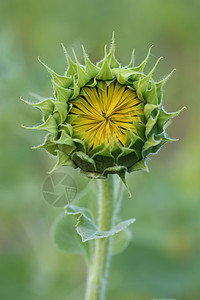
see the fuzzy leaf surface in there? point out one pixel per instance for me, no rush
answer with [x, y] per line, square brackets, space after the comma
[87, 228]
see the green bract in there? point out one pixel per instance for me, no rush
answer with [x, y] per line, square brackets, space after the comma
[71, 149]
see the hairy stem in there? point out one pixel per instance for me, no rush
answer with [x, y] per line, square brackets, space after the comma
[98, 273]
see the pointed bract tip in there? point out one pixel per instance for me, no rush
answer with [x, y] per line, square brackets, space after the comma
[105, 50]
[113, 37]
[40, 61]
[153, 69]
[65, 52]
[75, 57]
[63, 47]
[27, 102]
[83, 48]
[25, 127]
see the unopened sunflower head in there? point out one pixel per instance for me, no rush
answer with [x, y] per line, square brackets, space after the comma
[104, 118]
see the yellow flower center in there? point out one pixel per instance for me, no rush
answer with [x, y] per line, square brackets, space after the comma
[104, 114]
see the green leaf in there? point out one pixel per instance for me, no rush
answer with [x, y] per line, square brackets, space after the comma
[87, 228]
[121, 241]
[65, 236]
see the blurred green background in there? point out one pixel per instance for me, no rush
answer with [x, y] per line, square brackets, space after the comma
[163, 259]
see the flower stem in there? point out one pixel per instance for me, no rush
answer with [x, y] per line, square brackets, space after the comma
[98, 273]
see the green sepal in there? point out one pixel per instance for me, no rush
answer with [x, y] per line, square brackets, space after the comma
[92, 83]
[103, 159]
[140, 165]
[57, 117]
[126, 74]
[108, 82]
[131, 63]
[159, 86]
[116, 148]
[83, 77]
[46, 107]
[105, 73]
[100, 85]
[58, 79]
[75, 88]
[90, 68]
[87, 228]
[115, 170]
[163, 140]
[127, 158]
[49, 145]
[149, 144]
[50, 125]
[122, 175]
[136, 143]
[140, 129]
[65, 237]
[151, 94]
[121, 241]
[164, 117]
[137, 146]
[111, 56]
[65, 143]
[62, 109]
[67, 128]
[83, 161]
[97, 149]
[149, 108]
[151, 122]
[140, 68]
[80, 145]
[62, 160]
[72, 69]
[92, 175]
[142, 84]
[62, 94]
[120, 78]
[130, 138]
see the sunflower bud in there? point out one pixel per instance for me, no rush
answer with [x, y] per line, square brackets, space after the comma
[104, 118]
